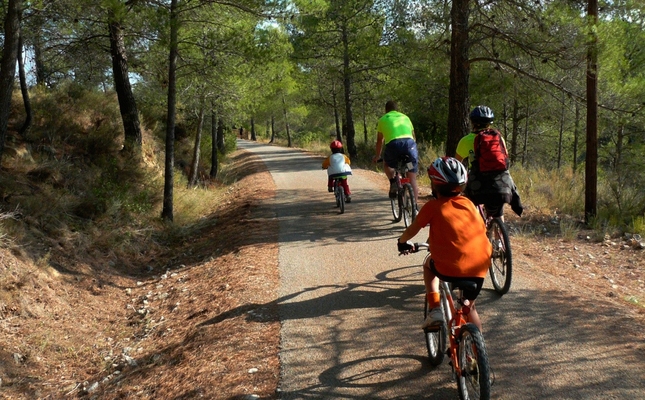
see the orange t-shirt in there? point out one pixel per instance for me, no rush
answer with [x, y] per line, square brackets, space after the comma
[457, 238]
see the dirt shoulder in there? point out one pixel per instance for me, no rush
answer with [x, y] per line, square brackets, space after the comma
[196, 321]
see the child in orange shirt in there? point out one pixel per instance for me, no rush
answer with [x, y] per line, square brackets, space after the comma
[457, 238]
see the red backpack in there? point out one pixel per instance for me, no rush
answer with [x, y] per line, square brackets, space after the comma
[490, 151]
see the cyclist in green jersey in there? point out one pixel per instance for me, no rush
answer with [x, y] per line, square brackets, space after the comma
[395, 133]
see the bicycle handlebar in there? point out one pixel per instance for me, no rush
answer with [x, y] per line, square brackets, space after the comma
[417, 247]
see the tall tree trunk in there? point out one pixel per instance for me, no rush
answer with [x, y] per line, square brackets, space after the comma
[576, 130]
[561, 133]
[458, 99]
[339, 136]
[214, 159]
[41, 74]
[24, 90]
[516, 130]
[364, 122]
[253, 137]
[347, 84]
[127, 103]
[619, 147]
[591, 163]
[221, 146]
[286, 120]
[526, 136]
[8, 66]
[194, 166]
[272, 129]
[167, 211]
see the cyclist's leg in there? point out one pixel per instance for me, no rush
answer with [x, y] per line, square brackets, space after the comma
[343, 183]
[471, 296]
[390, 159]
[413, 153]
[330, 184]
[431, 283]
[412, 176]
[495, 208]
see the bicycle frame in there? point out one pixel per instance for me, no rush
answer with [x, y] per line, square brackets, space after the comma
[460, 339]
[455, 319]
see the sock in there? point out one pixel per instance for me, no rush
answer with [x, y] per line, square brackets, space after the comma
[434, 299]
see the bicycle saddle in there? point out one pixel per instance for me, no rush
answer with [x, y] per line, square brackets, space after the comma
[465, 285]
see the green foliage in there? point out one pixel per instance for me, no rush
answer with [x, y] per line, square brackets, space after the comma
[638, 225]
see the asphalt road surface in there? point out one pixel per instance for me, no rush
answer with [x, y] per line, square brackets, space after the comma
[351, 309]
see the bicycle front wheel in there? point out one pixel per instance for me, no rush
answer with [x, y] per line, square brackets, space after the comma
[409, 205]
[435, 340]
[501, 267]
[474, 382]
[396, 208]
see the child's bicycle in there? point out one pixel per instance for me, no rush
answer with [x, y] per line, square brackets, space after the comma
[460, 339]
[404, 205]
[501, 267]
[339, 193]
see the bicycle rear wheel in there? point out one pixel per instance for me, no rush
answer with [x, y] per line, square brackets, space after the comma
[340, 198]
[501, 267]
[409, 208]
[435, 340]
[474, 382]
[396, 208]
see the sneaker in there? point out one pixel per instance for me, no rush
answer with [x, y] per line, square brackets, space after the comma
[394, 190]
[434, 319]
[348, 199]
[330, 189]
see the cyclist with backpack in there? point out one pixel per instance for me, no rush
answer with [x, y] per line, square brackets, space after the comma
[484, 152]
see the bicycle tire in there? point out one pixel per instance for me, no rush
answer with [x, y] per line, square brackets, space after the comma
[397, 211]
[435, 341]
[409, 206]
[340, 198]
[474, 382]
[501, 266]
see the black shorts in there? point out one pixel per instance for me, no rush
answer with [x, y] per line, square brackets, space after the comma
[495, 209]
[468, 294]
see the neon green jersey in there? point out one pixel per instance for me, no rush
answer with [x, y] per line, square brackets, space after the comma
[395, 125]
[466, 148]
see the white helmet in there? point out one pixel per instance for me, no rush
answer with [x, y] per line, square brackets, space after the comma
[448, 171]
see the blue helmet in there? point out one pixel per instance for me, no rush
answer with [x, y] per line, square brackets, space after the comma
[482, 115]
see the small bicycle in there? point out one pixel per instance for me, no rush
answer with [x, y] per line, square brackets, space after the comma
[404, 205]
[501, 267]
[339, 192]
[460, 339]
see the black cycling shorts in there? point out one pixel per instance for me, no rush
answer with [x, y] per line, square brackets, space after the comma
[468, 294]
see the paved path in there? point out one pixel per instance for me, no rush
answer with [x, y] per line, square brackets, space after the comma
[351, 309]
